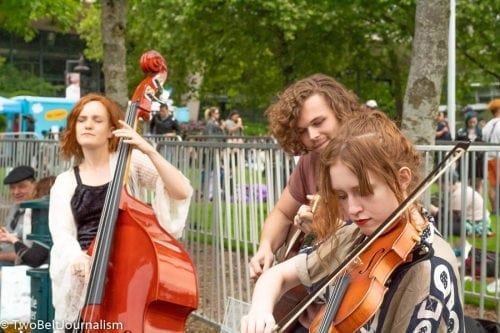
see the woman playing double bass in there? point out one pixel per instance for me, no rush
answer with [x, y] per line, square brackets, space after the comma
[366, 172]
[94, 128]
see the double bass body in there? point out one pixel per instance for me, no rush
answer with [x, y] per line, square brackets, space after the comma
[150, 278]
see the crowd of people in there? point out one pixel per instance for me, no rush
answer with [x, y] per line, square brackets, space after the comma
[343, 189]
[477, 129]
[215, 126]
[164, 122]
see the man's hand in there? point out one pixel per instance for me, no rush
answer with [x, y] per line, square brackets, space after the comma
[304, 217]
[260, 262]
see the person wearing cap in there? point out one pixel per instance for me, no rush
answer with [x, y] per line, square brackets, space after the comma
[30, 253]
[21, 182]
[372, 104]
[491, 134]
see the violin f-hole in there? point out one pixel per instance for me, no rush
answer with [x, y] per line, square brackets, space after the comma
[379, 253]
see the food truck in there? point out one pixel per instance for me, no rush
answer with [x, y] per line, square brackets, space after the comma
[44, 116]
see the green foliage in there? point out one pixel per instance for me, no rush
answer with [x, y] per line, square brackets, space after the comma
[250, 50]
[89, 30]
[24, 17]
[3, 123]
[256, 129]
[477, 46]
[17, 83]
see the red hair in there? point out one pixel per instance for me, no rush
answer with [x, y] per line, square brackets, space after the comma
[69, 145]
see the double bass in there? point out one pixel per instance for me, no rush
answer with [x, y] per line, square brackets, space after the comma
[142, 280]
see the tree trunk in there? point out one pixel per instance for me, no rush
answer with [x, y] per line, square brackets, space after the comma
[428, 64]
[114, 52]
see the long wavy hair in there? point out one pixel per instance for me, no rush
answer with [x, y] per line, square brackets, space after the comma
[284, 114]
[70, 148]
[368, 142]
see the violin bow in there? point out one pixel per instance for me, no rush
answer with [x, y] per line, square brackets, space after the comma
[453, 155]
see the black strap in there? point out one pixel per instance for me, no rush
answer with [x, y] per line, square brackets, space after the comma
[15, 219]
[77, 175]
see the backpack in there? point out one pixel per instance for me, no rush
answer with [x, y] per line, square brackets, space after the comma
[491, 263]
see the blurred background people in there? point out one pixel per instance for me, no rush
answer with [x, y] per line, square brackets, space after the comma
[234, 124]
[73, 86]
[233, 127]
[491, 134]
[213, 126]
[442, 128]
[473, 133]
[164, 123]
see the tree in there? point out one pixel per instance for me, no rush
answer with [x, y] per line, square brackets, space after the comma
[114, 53]
[428, 62]
[250, 50]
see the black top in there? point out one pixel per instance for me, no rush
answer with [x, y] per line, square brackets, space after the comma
[164, 126]
[87, 204]
[32, 256]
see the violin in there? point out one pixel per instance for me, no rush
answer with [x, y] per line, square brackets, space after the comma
[374, 260]
[368, 279]
[142, 280]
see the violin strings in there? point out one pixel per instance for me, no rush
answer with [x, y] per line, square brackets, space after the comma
[334, 296]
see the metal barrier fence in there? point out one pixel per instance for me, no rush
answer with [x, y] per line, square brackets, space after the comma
[237, 185]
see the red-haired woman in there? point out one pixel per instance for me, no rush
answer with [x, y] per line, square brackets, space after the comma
[90, 140]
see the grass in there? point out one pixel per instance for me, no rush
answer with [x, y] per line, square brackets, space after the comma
[475, 286]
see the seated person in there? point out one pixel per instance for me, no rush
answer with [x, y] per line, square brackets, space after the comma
[34, 254]
[21, 181]
[476, 220]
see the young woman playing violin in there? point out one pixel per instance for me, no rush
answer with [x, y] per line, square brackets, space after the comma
[366, 172]
[77, 198]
